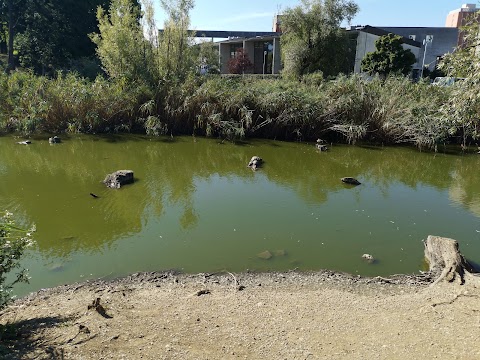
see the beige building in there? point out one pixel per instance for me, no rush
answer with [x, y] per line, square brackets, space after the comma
[456, 18]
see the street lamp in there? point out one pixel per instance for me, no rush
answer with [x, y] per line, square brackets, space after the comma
[428, 40]
[264, 60]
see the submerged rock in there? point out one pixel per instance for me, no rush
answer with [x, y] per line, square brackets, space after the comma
[280, 252]
[119, 178]
[265, 255]
[350, 181]
[369, 258]
[54, 140]
[255, 162]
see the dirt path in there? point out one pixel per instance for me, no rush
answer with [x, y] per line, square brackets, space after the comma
[275, 316]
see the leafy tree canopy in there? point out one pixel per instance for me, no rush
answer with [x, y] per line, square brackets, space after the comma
[389, 58]
[313, 39]
[462, 110]
[240, 63]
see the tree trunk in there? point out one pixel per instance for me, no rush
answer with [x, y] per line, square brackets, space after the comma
[445, 260]
[11, 59]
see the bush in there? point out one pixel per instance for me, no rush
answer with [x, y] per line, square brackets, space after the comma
[13, 243]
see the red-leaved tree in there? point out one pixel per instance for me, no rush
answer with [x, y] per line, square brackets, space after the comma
[240, 63]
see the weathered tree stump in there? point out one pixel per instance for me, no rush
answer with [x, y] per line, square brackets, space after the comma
[445, 260]
[119, 178]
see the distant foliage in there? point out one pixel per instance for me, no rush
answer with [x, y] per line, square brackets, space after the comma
[313, 38]
[176, 55]
[389, 57]
[13, 243]
[121, 46]
[240, 63]
[462, 109]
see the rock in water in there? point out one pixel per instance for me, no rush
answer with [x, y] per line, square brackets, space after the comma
[54, 140]
[350, 180]
[266, 255]
[119, 178]
[255, 162]
[25, 142]
[369, 258]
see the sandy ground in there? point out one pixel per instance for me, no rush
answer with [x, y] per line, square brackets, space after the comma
[321, 315]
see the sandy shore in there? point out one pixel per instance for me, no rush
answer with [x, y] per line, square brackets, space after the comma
[322, 315]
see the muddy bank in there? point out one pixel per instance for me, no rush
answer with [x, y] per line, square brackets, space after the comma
[321, 315]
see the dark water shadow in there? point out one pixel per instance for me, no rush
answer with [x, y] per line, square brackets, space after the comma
[20, 339]
[475, 265]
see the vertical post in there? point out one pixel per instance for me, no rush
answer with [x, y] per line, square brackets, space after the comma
[428, 40]
[264, 56]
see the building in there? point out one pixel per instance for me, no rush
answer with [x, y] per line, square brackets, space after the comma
[263, 52]
[457, 18]
[444, 41]
[366, 38]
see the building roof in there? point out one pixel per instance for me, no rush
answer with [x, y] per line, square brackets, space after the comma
[230, 34]
[379, 32]
[256, 38]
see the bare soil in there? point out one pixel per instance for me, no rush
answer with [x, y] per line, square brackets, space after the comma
[321, 315]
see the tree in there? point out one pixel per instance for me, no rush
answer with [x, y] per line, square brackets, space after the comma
[10, 14]
[48, 34]
[389, 57]
[240, 63]
[121, 46]
[207, 58]
[462, 110]
[13, 243]
[313, 39]
[176, 56]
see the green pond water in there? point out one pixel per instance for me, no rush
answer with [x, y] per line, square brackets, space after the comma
[196, 207]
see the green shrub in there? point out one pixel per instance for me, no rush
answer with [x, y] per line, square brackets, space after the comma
[13, 243]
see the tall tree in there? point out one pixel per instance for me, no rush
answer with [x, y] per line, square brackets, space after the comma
[10, 15]
[121, 45]
[47, 34]
[313, 39]
[176, 56]
[462, 110]
[389, 57]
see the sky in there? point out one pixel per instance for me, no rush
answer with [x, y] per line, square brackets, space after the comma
[257, 15]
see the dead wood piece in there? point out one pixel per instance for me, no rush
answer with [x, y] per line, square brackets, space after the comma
[202, 292]
[99, 308]
[445, 260]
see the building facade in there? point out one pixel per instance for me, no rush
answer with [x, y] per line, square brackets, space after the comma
[444, 41]
[459, 17]
[262, 51]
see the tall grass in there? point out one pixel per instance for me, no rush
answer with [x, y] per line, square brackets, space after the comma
[347, 109]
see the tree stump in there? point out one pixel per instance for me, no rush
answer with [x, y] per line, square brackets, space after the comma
[445, 260]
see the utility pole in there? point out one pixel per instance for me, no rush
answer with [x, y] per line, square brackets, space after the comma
[428, 40]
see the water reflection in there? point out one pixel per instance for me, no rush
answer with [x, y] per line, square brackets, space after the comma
[195, 205]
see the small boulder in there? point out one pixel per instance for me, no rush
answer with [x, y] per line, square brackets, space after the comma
[350, 181]
[54, 140]
[265, 255]
[119, 178]
[368, 258]
[255, 162]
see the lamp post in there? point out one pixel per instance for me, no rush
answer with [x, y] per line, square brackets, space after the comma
[428, 40]
[264, 61]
